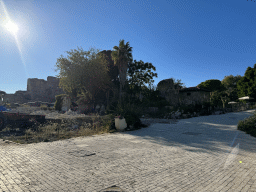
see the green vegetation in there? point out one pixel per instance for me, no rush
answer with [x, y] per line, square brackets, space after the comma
[58, 102]
[248, 125]
[131, 111]
[247, 84]
[122, 55]
[95, 77]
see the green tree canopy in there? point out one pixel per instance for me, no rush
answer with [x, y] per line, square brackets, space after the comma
[83, 74]
[230, 83]
[212, 85]
[246, 86]
[139, 74]
[218, 97]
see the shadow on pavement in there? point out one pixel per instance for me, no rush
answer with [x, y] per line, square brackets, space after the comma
[201, 133]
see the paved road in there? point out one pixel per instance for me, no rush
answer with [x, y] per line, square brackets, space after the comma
[211, 156]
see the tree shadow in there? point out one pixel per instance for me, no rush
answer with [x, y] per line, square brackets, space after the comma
[206, 134]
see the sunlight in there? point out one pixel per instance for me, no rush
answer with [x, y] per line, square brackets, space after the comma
[12, 27]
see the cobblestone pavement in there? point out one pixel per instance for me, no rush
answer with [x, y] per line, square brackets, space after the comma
[198, 154]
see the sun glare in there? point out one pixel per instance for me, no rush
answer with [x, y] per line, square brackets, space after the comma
[12, 27]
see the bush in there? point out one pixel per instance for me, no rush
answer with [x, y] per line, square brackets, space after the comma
[248, 125]
[58, 102]
[188, 108]
[197, 107]
[111, 107]
[162, 103]
[132, 120]
[131, 111]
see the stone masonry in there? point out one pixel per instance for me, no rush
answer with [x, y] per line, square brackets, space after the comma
[37, 90]
[177, 95]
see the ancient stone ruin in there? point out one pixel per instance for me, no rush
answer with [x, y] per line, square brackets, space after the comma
[176, 95]
[37, 90]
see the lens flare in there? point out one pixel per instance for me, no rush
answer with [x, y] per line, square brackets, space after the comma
[13, 28]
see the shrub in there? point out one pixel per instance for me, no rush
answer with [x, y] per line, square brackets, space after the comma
[162, 103]
[248, 125]
[111, 107]
[188, 108]
[130, 110]
[132, 119]
[58, 102]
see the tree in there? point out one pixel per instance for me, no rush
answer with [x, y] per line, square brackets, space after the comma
[83, 74]
[212, 85]
[139, 74]
[230, 83]
[113, 74]
[122, 56]
[216, 88]
[246, 86]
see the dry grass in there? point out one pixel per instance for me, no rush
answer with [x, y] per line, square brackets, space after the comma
[56, 131]
[53, 132]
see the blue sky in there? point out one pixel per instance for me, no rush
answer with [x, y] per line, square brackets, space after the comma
[189, 40]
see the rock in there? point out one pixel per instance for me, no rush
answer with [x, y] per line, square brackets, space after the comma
[66, 103]
[102, 109]
[97, 108]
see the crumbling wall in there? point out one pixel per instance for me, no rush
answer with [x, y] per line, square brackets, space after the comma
[194, 97]
[168, 91]
[176, 96]
[45, 91]
[37, 90]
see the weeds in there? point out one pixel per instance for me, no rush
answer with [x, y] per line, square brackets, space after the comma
[72, 128]
[56, 131]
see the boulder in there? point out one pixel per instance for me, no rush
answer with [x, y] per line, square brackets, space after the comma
[66, 103]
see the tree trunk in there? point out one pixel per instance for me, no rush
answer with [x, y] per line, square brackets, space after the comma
[120, 93]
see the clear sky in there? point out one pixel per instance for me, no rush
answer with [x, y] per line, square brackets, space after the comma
[189, 40]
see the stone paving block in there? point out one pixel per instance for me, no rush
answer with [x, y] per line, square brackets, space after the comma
[141, 160]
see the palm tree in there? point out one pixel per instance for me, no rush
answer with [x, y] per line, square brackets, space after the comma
[122, 56]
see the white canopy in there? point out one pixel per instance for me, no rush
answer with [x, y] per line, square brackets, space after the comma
[231, 102]
[245, 98]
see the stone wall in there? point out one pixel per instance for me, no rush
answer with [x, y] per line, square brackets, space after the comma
[37, 90]
[41, 90]
[186, 96]
[194, 97]
[169, 91]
